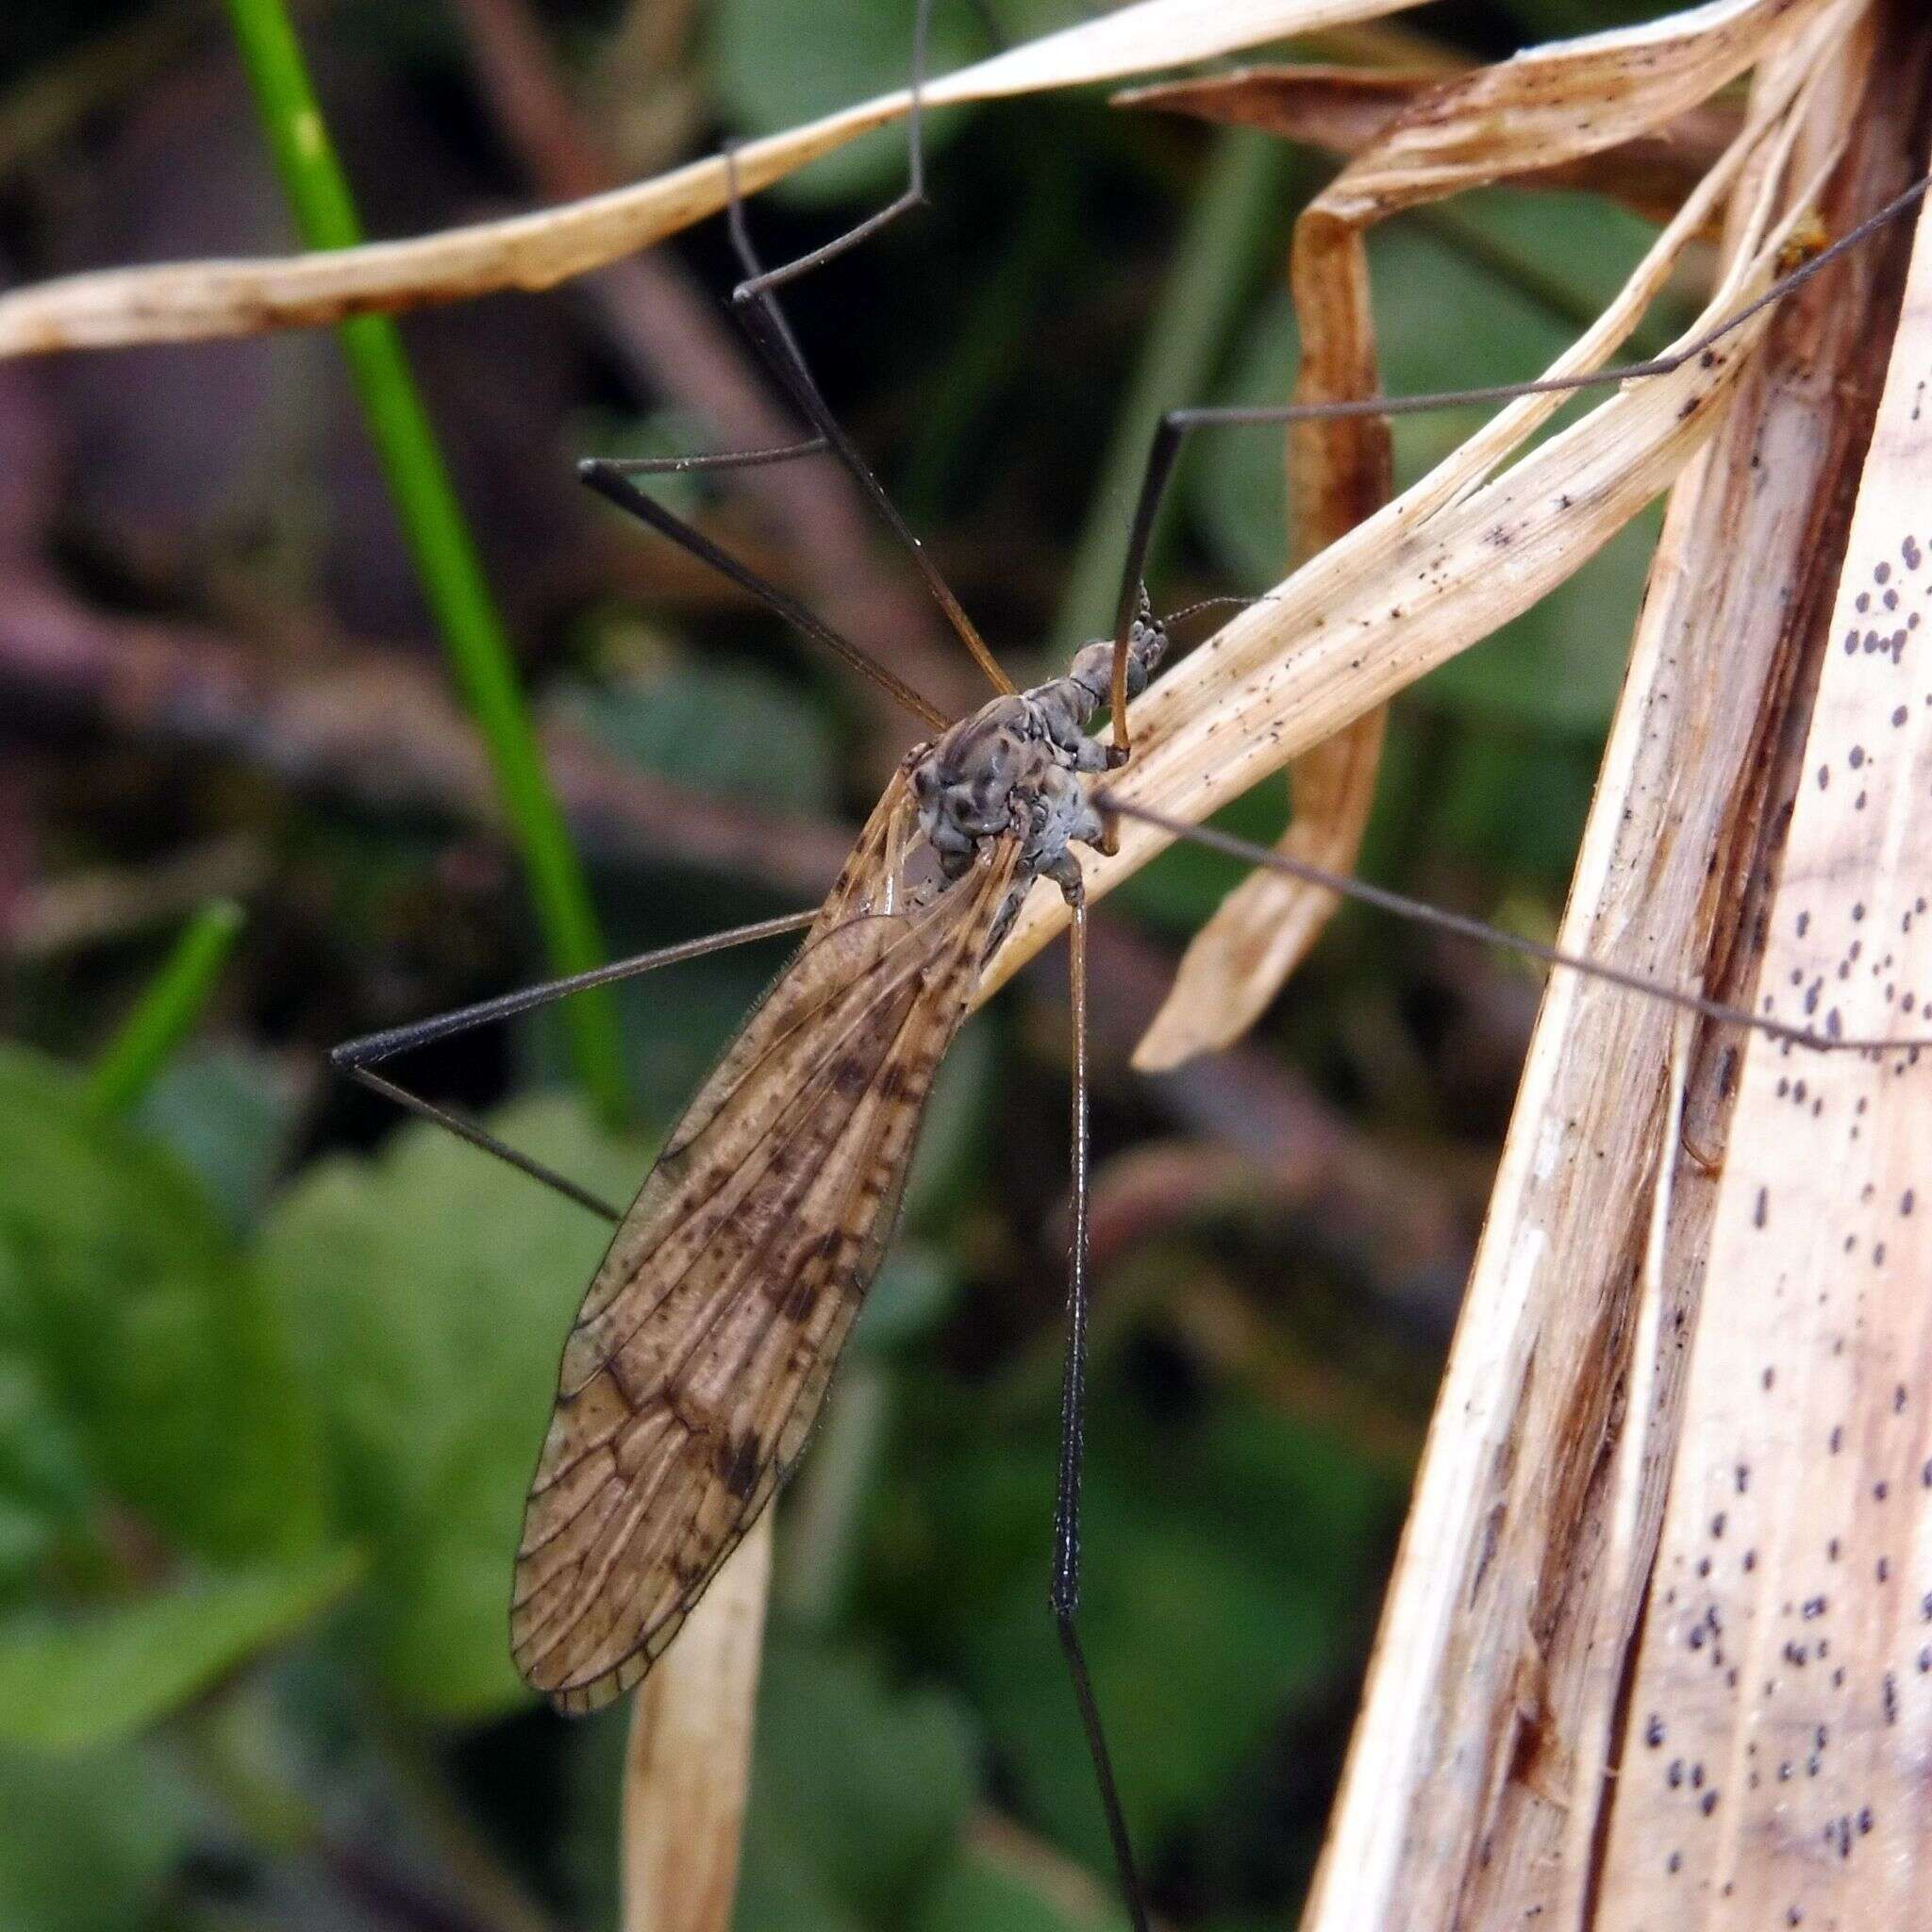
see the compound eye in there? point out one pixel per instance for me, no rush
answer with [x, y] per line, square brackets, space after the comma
[925, 783]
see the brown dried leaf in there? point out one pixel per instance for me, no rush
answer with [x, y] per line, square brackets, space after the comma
[187, 301]
[1562, 102]
[1552, 104]
[1347, 109]
[1344, 109]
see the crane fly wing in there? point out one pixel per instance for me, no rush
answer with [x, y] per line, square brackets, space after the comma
[823, 964]
[695, 1369]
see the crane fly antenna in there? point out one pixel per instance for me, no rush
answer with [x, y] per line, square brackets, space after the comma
[1463, 926]
[757, 309]
[1176, 425]
[1221, 603]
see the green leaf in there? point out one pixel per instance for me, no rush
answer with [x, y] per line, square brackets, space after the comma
[98, 1680]
[917, 1289]
[779, 1889]
[1572, 250]
[126, 1306]
[858, 1793]
[1482, 331]
[717, 727]
[167, 1012]
[974, 1894]
[231, 1116]
[959, 1117]
[46, 1491]
[1222, 1566]
[429, 1291]
[90, 1841]
[1180, 889]
[1477, 801]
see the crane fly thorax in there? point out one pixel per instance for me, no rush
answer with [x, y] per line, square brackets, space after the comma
[1012, 769]
[1001, 773]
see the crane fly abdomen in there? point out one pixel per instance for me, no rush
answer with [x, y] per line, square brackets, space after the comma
[696, 1366]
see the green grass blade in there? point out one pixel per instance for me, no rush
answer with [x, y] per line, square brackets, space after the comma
[166, 1012]
[439, 537]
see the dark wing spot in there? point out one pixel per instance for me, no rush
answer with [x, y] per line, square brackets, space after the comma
[738, 1465]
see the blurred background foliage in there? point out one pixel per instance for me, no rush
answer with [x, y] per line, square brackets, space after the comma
[274, 1370]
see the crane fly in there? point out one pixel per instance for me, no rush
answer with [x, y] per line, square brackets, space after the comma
[701, 1354]
[695, 1367]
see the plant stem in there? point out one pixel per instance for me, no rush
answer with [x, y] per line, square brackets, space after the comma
[819, 1541]
[167, 1011]
[440, 541]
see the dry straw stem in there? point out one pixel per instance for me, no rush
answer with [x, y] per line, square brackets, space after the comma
[1550, 106]
[1785, 1656]
[187, 301]
[1452, 558]
[1570, 1722]
[687, 1770]
[1348, 109]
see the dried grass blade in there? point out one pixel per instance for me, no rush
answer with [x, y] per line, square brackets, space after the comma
[1790, 1679]
[1564, 102]
[191, 301]
[687, 1768]
[1348, 109]
[1466, 1760]
[1626, 1543]
[1430, 574]
[1554, 104]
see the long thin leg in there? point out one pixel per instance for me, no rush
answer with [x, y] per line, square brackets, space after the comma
[1065, 1591]
[914, 193]
[1177, 425]
[714, 459]
[765, 325]
[1463, 926]
[764, 322]
[358, 1059]
[609, 480]
[770, 333]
